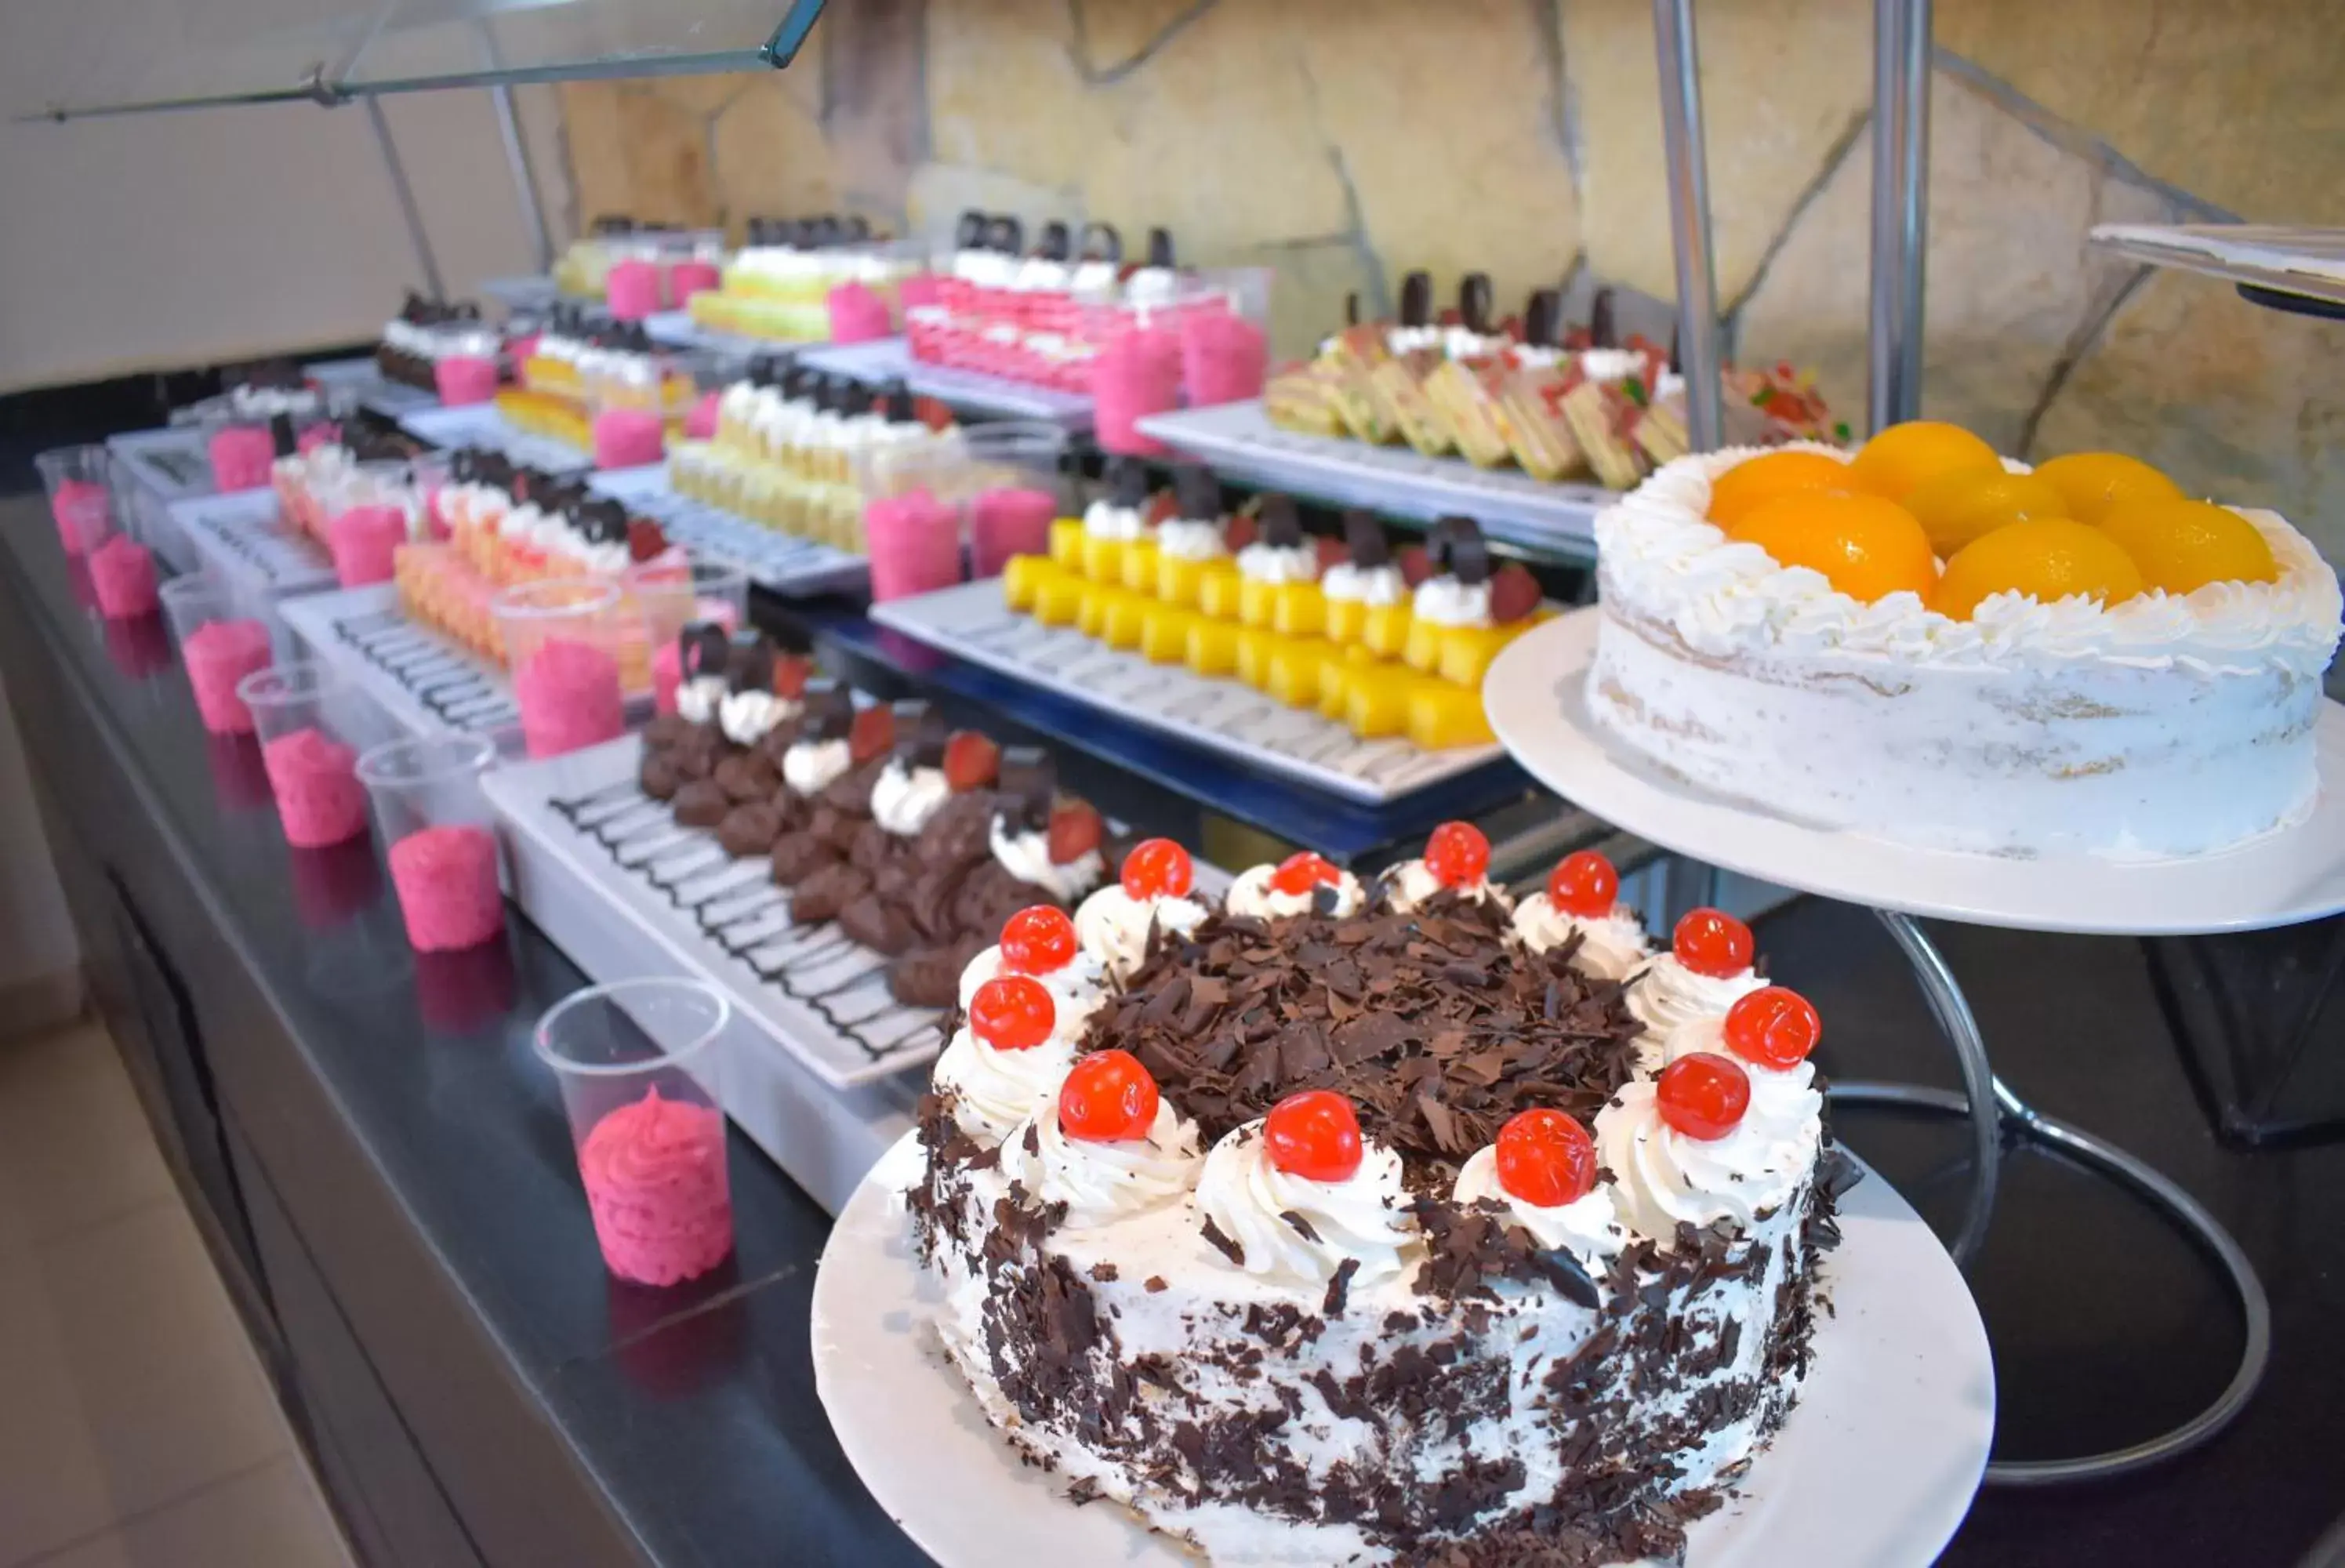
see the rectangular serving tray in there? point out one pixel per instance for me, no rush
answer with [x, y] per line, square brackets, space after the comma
[480, 425]
[425, 681]
[244, 538]
[778, 562]
[158, 469]
[885, 359]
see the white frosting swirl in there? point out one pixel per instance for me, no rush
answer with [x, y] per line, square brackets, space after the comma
[698, 699]
[903, 799]
[1105, 520]
[994, 1090]
[1077, 988]
[1588, 1227]
[1365, 1219]
[1026, 857]
[1663, 1178]
[1363, 585]
[1611, 949]
[1412, 882]
[1113, 925]
[1099, 1183]
[1186, 538]
[1446, 602]
[1252, 896]
[1783, 1101]
[1668, 994]
[810, 767]
[1266, 562]
[748, 717]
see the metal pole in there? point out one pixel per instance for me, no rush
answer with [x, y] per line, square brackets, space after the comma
[532, 207]
[407, 208]
[1690, 219]
[1901, 205]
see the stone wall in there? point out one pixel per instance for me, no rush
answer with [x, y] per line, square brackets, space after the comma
[1343, 142]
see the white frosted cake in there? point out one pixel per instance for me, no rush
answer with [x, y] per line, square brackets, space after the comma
[1364, 1225]
[2162, 725]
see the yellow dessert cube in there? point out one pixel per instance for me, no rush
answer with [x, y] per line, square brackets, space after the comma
[1442, 715]
[1345, 618]
[1121, 622]
[1067, 543]
[1179, 577]
[1058, 598]
[1295, 667]
[1102, 559]
[1422, 651]
[1384, 632]
[1092, 620]
[1022, 577]
[1164, 632]
[1467, 651]
[1139, 566]
[1335, 688]
[1377, 701]
[1213, 647]
[1255, 645]
[1298, 609]
[1217, 591]
[1257, 600]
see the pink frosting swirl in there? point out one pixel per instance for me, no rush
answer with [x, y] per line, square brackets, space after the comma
[656, 1180]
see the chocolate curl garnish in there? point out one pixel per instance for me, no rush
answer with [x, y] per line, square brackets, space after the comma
[828, 712]
[1440, 541]
[602, 520]
[1677, 360]
[1127, 482]
[791, 233]
[1281, 528]
[1600, 333]
[280, 435]
[1416, 299]
[1474, 301]
[754, 230]
[1057, 245]
[1196, 493]
[921, 736]
[496, 470]
[702, 649]
[1469, 553]
[969, 232]
[1365, 537]
[614, 223]
[749, 662]
[463, 465]
[797, 380]
[1543, 317]
[826, 232]
[1160, 248]
[1007, 235]
[1352, 309]
[1028, 785]
[764, 368]
[896, 403]
[856, 228]
[1103, 242]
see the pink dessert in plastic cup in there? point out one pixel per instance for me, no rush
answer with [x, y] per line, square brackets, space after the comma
[122, 575]
[655, 1175]
[628, 437]
[218, 654]
[667, 674]
[312, 437]
[464, 378]
[915, 544]
[921, 289]
[632, 290]
[364, 541]
[700, 424]
[858, 315]
[315, 780]
[447, 881]
[83, 510]
[1224, 357]
[686, 278]
[241, 457]
[1136, 374]
[1007, 523]
[569, 696]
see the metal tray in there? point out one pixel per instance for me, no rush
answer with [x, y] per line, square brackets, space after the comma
[243, 538]
[423, 681]
[780, 562]
[480, 425]
[885, 359]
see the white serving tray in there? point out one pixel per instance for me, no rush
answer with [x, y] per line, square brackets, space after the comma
[815, 1052]
[886, 358]
[776, 561]
[163, 468]
[243, 538]
[364, 379]
[423, 681]
[971, 622]
[1242, 444]
[480, 425]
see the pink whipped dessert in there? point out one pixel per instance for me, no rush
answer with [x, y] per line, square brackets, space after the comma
[686, 278]
[242, 456]
[447, 881]
[667, 674]
[218, 654]
[1136, 374]
[83, 510]
[1224, 357]
[312, 437]
[700, 424]
[655, 1181]
[858, 315]
[628, 437]
[632, 290]
[569, 696]
[464, 378]
[1007, 523]
[364, 541]
[915, 544]
[315, 780]
[122, 574]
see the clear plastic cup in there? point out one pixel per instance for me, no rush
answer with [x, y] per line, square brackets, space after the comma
[912, 518]
[81, 497]
[438, 834]
[1012, 489]
[640, 1065]
[220, 645]
[672, 593]
[312, 773]
[561, 639]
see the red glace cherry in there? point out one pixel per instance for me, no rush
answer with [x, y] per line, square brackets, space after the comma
[1704, 1095]
[1108, 1097]
[1013, 1012]
[1709, 942]
[1457, 854]
[1773, 1026]
[1158, 869]
[1302, 873]
[1545, 1158]
[1038, 941]
[1584, 883]
[1314, 1135]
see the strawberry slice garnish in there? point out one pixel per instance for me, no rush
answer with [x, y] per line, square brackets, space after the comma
[1332, 552]
[874, 735]
[1162, 508]
[644, 539]
[1514, 592]
[971, 761]
[1075, 830]
[1241, 531]
[791, 673]
[1416, 565]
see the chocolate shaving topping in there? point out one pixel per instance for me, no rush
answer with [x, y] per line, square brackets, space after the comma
[1364, 536]
[749, 663]
[1474, 298]
[1339, 1287]
[1300, 1225]
[1223, 1244]
[702, 649]
[1196, 493]
[1029, 782]
[1416, 299]
[1543, 318]
[1837, 1171]
[1280, 526]
[1127, 482]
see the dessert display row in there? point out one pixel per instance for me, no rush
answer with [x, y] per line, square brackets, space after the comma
[1388, 645]
[1347, 1222]
[811, 280]
[1524, 393]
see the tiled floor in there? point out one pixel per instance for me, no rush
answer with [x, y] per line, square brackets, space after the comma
[136, 1429]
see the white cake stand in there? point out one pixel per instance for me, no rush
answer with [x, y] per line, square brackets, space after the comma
[1535, 696]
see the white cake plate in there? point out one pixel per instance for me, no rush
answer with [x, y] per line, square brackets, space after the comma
[1875, 1468]
[1535, 696]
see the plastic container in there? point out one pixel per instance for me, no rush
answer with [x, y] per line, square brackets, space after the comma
[1223, 358]
[461, 380]
[1137, 373]
[672, 593]
[562, 637]
[640, 1064]
[1011, 489]
[241, 457]
[912, 519]
[364, 541]
[122, 576]
[81, 498]
[219, 644]
[312, 773]
[439, 836]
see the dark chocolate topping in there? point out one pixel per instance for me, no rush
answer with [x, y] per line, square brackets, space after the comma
[1103, 242]
[749, 662]
[1600, 320]
[611, 223]
[1029, 784]
[969, 232]
[1127, 482]
[1280, 526]
[830, 712]
[602, 518]
[896, 403]
[1006, 234]
[1160, 248]
[1056, 244]
[764, 368]
[1474, 299]
[921, 736]
[1469, 553]
[1365, 537]
[1416, 299]
[1196, 492]
[280, 435]
[1352, 309]
[1543, 317]
[854, 228]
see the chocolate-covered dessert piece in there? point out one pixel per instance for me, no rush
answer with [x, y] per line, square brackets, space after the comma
[1277, 521]
[1029, 783]
[748, 775]
[1103, 242]
[929, 976]
[921, 736]
[1196, 493]
[1468, 555]
[701, 804]
[1006, 234]
[824, 890]
[703, 650]
[1055, 245]
[849, 793]
[826, 712]
[1364, 536]
[749, 829]
[1416, 299]
[658, 776]
[1473, 301]
[749, 662]
[665, 730]
[1543, 318]
[961, 832]
[871, 922]
[799, 855]
[1160, 248]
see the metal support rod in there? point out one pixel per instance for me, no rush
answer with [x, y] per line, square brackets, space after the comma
[1901, 205]
[1689, 220]
[407, 208]
[532, 205]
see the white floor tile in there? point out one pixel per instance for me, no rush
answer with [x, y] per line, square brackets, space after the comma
[266, 1518]
[74, 1147]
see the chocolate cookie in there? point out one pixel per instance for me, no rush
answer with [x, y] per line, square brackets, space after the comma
[930, 976]
[665, 730]
[961, 831]
[850, 791]
[799, 855]
[700, 803]
[696, 754]
[749, 777]
[750, 829]
[872, 923]
[835, 827]
[825, 894]
[874, 847]
[659, 777]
